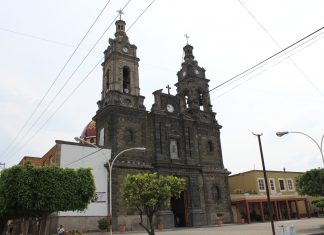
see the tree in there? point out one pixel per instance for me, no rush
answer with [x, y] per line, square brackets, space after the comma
[319, 204]
[36, 192]
[311, 183]
[148, 192]
[10, 208]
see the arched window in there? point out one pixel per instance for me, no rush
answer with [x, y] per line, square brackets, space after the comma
[186, 102]
[201, 101]
[216, 193]
[210, 146]
[186, 99]
[129, 136]
[126, 80]
[173, 149]
[107, 79]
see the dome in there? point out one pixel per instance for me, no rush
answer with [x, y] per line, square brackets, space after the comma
[89, 132]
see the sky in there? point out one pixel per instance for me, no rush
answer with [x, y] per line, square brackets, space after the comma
[38, 37]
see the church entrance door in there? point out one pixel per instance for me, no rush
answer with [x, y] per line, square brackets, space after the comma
[179, 207]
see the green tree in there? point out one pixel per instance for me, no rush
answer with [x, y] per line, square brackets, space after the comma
[10, 208]
[148, 192]
[36, 192]
[319, 204]
[311, 183]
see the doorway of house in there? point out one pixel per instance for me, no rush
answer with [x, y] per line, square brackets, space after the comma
[179, 207]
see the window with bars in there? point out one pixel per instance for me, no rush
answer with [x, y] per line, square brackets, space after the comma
[272, 185]
[290, 185]
[261, 184]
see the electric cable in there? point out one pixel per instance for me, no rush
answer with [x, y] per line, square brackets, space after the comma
[140, 15]
[36, 37]
[55, 80]
[97, 65]
[83, 157]
[44, 39]
[275, 41]
[82, 80]
[60, 106]
[294, 52]
[70, 77]
[272, 59]
[268, 58]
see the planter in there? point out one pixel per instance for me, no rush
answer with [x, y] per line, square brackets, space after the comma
[219, 222]
[160, 226]
[242, 221]
[103, 225]
[122, 228]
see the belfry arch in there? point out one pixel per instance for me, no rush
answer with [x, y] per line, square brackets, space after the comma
[126, 80]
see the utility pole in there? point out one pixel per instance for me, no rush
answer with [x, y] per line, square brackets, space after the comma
[266, 184]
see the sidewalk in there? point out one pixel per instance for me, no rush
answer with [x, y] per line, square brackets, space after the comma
[302, 226]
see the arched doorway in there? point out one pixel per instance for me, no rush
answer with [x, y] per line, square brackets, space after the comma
[179, 207]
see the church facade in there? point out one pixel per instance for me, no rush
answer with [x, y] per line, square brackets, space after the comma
[180, 133]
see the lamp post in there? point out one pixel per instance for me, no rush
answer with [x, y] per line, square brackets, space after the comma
[320, 146]
[266, 184]
[110, 166]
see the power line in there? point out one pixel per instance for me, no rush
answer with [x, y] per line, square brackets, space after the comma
[268, 58]
[85, 76]
[275, 41]
[36, 37]
[60, 106]
[72, 74]
[88, 155]
[56, 78]
[43, 39]
[275, 58]
[99, 62]
[245, 75]
[140, 15]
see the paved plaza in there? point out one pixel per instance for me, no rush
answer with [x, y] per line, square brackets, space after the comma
[302, 227]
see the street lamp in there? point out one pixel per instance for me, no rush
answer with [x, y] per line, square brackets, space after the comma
[2, 165]
[320, 146]
[110, 166]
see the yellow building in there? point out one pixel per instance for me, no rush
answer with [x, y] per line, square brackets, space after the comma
[249, 198]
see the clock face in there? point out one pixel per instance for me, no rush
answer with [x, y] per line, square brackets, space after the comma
[196, 71]
[125, 49]
[184, 73]
[170, 108]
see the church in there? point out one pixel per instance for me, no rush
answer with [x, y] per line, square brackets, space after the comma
[180, 133]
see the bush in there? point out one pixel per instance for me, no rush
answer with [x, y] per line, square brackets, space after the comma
[103, 224]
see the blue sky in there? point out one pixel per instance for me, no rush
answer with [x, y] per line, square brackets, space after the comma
[37, 38]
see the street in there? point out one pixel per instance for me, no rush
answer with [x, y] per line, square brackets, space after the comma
[302, 226]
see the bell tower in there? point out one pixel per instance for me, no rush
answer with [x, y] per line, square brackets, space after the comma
[192, 85]
[120, 82]
[121, 115]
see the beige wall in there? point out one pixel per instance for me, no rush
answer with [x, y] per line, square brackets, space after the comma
[247, 182]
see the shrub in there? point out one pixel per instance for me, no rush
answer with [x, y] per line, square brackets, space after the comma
[103, 224]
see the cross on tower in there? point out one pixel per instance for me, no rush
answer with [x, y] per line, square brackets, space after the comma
[168, 87]
[120, 12]
[187, 37]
